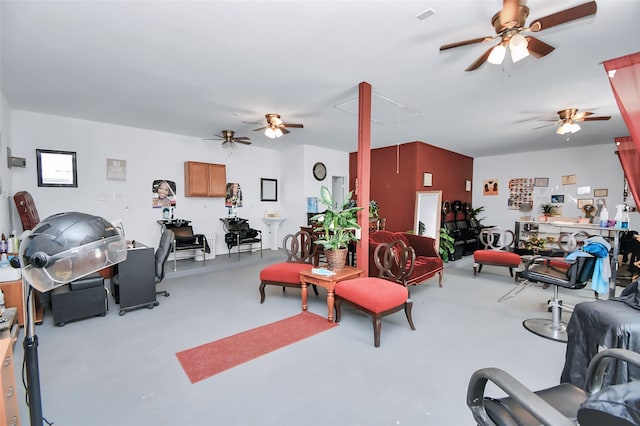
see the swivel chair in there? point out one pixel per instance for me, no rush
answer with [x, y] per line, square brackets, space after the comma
[161, 255]
[560, 405]
[559, 273]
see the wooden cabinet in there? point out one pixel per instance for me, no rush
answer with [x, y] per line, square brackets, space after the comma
[204, 179]
[9, 398]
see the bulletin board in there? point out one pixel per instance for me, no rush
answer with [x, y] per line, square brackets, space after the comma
[520, 193]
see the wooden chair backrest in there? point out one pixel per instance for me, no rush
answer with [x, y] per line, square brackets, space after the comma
[299, 247]
[395, 261]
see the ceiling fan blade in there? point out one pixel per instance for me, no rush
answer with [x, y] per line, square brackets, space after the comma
[260, 128]
[211, 139]
[298, 126]
[244, 142]
[466, 42]
[538, 48]
[284, 131]
[601, 118]
[242, 138]
[253, 122]
[481, 60]
[567, 15]
[555, 122]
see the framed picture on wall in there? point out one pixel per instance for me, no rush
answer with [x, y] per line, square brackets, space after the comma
[584, 201]
[600, 192]
[56, 168]
[541, 182]
[268, 189]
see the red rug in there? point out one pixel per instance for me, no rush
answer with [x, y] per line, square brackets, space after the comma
[212, 358]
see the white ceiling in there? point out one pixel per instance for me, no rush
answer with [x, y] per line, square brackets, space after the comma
[198, 67]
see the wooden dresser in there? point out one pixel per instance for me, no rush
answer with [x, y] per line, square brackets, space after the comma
[9, 401]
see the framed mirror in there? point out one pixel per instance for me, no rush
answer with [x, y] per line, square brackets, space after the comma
[268, 189]
[427, 219]
[56, 168]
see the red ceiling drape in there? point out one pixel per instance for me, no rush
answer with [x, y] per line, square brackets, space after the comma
[624, 77]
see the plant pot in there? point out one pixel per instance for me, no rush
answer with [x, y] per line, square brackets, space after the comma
[336, 259]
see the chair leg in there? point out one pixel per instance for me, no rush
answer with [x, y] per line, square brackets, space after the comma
[440, 279]
[377, 327]
[337, 305]
[407, 312]
[261, 289]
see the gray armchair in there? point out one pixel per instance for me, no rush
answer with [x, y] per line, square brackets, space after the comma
[560, 405]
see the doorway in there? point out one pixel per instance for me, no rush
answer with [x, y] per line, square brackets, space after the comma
[337, 190]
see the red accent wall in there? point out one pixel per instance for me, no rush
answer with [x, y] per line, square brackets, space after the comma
[397, 174]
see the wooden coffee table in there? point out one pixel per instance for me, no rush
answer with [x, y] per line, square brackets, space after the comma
[328, 282]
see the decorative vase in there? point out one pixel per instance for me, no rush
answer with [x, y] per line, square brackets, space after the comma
[336, 259]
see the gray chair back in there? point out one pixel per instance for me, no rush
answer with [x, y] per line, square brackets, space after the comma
[162, 253]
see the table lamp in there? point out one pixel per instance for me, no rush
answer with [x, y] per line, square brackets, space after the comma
[60, 249]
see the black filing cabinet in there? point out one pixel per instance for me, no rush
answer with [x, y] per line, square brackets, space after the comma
[134, 285]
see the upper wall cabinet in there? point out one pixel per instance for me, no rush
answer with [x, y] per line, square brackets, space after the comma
[204, 179]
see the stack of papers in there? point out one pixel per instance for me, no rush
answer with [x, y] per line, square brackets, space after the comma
[322, 271]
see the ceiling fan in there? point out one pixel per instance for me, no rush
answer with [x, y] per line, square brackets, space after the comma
[227, 136]
[509, 23]
[275, 127]
[569, 118]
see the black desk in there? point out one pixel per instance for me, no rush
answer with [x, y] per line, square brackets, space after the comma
[134, 286]
[607, 323]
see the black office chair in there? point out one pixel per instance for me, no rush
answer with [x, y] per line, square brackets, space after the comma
[161, 255]
[559, 273]
[560, 405]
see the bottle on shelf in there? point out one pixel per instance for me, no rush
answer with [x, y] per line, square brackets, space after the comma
[604, 218]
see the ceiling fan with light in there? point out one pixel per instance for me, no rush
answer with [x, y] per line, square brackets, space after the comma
[509, 23]
[275, 127]
[569, 118]
[228, 136]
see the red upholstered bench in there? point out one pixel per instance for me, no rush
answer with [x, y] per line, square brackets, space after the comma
[496, 239]
[495, 258]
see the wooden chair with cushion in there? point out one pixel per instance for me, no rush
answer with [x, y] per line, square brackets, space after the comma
[300, 252]
[383, 295]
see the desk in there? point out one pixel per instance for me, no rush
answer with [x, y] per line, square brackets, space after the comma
[328, 282]
[607, 323]
[134, 286]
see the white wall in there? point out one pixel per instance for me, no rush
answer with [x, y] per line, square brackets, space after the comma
[596, 166]
[6, 200]
[153, 155]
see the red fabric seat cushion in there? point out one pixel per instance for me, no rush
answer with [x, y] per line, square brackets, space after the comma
[497, 257]
[284, 272]
[375, 294]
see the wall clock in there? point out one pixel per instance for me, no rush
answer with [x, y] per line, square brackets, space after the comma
[319, 171]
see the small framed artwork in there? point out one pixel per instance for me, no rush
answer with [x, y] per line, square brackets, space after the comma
[427, 179]
[467, 185]
[116, 169]
[268, 189]
[557, 198]
[582, 190]
[542, 182]
[569, 180]
[600, 192]
[56, 168]
[584, 201]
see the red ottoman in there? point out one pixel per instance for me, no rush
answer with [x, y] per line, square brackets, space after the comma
[495, 258]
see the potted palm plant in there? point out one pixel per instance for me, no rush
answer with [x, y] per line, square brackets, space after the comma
[337, 228]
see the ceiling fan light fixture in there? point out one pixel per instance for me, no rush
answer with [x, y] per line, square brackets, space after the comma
[568, 127]
[497, 54]
[518, 47]
[273, 133]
